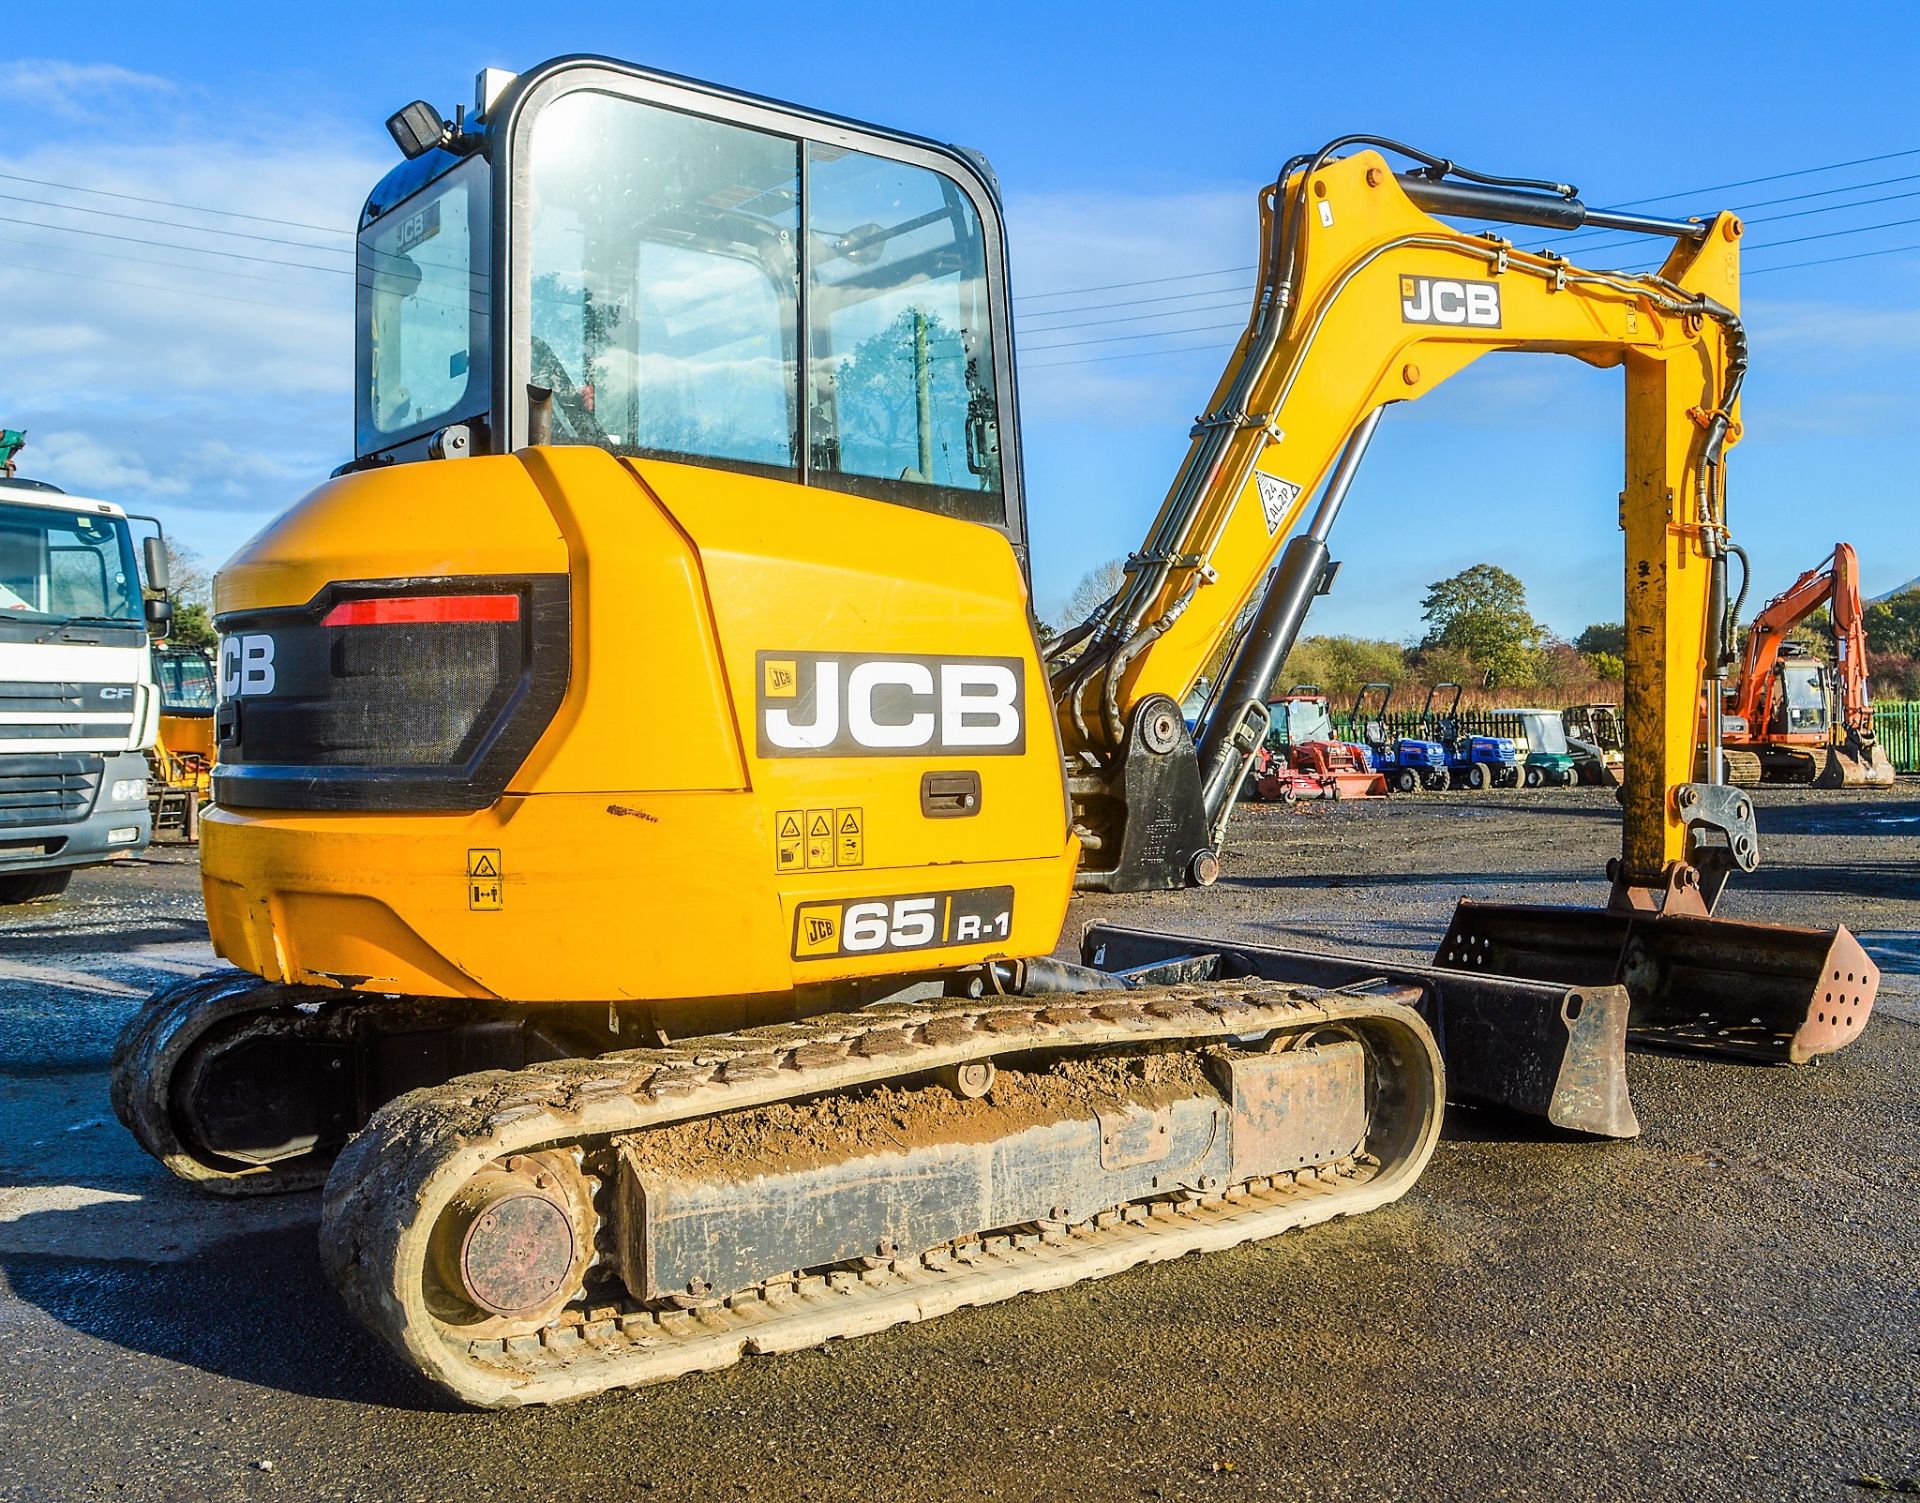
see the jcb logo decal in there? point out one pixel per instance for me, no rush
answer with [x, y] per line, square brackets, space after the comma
[829, 704]
[1441, 300]
[246, 665]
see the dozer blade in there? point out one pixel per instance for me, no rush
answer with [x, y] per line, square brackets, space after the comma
[1544, 1050]
[1771, 992]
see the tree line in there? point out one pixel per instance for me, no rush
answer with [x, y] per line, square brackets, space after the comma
[1480, 633]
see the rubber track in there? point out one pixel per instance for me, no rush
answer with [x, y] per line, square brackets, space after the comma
[392, 1181]
[151, 1048]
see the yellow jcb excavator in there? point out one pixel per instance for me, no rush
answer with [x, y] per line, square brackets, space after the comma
[645, 819]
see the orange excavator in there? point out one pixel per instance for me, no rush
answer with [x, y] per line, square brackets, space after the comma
[1792, 718]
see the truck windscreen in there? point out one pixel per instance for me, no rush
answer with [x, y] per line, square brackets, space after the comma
[60, 565]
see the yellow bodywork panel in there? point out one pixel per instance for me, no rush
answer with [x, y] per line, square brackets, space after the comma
[1389, 303]
[188, 735]
[655, 845]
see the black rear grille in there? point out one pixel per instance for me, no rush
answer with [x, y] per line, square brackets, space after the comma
[322, 711]
[48, 790]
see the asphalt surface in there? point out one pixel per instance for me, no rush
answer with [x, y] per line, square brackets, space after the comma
[1727, 1307]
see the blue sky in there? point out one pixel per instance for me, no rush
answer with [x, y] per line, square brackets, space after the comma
[1129, 139]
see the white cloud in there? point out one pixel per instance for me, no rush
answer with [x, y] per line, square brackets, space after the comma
[211, 388]
[89, 465]
[73, 90]
[1067, 241]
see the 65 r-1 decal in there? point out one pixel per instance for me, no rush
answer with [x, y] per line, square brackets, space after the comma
[920, 921]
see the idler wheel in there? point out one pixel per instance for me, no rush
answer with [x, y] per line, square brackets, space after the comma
[514, 1244]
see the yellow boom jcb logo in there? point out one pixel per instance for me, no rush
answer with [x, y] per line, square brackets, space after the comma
[1441, 300]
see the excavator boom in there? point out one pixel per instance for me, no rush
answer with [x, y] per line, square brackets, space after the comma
[1366, 300]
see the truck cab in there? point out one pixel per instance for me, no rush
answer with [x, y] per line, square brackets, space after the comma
[77, 703]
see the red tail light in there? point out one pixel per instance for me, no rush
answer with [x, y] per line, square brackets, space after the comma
[416, 610]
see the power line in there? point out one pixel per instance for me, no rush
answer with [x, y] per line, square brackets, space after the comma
[1864, 229]
[1772, 177]
[168, 203]
[1831, 260]
[1100, 323]
[1858, 203]
[80, 276]
[1593, 230]
[114, 255]
[1795, 198]
[197, 250]
[1629, 240]
[1218, 348]
[1074, 344]
[1834, 234]
[1188, 276]
[1191, 349]
[1138, 302]
[191, 229]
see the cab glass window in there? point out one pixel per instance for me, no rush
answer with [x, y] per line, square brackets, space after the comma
[1805, 699]
[665, 282]
[423, 303]
[901, 378]
[670, 290]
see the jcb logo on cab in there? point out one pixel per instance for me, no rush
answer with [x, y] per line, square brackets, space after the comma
[246, 665]
[1441, 300]
[829, 704]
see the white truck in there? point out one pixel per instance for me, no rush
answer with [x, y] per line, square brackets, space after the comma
[78, 708]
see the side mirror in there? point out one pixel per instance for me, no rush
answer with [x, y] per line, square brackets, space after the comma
[156, 552]
[159, 617]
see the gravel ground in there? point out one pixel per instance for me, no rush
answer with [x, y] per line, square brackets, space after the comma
[1726, 1308]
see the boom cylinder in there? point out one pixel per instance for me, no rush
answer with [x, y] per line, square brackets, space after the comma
[1514, 206]
[1303, 572]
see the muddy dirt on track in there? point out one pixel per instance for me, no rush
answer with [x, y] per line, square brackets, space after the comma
[1726, 1308]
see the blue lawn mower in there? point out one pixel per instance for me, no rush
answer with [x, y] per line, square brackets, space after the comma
[1473, 761]
[1410, 764]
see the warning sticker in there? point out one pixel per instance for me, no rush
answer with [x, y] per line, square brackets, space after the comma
[1276, 498]
[789, 840]
[849, 837]
[819, 838]
[483, 861]
[484, 894]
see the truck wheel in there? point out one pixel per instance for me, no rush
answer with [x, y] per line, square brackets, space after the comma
[1406, 780]
[33, 887]
[1533, 777]
[1477, 776]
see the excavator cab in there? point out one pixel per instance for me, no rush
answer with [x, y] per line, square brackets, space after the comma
[611, 257]
[1802, 702]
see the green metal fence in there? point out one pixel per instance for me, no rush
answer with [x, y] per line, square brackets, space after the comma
[1898, 729]
[1896, 725]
